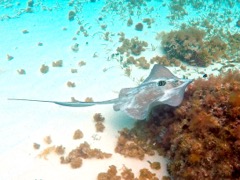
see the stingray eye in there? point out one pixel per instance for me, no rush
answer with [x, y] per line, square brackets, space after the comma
[161, 83]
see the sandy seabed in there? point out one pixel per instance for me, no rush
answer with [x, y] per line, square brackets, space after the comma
[29, 40]
[25, 123]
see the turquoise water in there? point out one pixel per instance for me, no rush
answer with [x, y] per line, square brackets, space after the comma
[37, 33]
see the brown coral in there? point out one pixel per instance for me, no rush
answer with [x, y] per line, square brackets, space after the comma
[46, 152]
[98, 119]
[30, 3]
[58, 63]
[202, 136]
[134, 46]
[110, 174]
[78, 134]
[21, 71]
[84, 151]
[71, 15]
[129, 146]
[99, 127]
[146, 174]
[191, 46]
[127, 174]
[88, 99]
[25, 31]
[48, 140]
[76, 163]
[75, 47]
[139, 27]
[155, 165]
[71, 84]
[36, 145]
[59, 150]
[142, 63]
[9, 57]
[74, 70]
[44, 69]
[130, 22]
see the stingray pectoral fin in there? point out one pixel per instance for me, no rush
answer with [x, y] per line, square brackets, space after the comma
[125, 92]
[70, 104]
[159, 71]
[137, 113]
[175, 96]
[125, 95]
[174, 100]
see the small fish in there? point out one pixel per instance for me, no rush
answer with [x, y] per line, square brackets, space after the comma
[160, 87]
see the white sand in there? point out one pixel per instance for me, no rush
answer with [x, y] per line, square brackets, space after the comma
[24, 123]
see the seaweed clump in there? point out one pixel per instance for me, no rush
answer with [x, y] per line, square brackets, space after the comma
[205, 134]
[44, 69]
[202, 136]
[71, 15]
[139, 27]
[36, 145]
[21, 71]
[58, 63]
[140, 62]
[99, 119]
[191, 45]
[126, 174]
[130, 22]
[132, 46]
[146, 174]
[155, 165]
[9, 57]
[71, 84]
[163, 60]
[59, 150]
[78, 134]
[84, 151]
[110, 174]
[48, 140]
[30, 3]
[130, 146]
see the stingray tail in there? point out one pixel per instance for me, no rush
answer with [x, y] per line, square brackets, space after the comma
[70, 104]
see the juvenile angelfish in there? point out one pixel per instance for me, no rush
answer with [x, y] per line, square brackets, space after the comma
[160, 87]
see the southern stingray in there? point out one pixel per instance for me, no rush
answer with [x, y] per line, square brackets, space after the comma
[160, 87]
